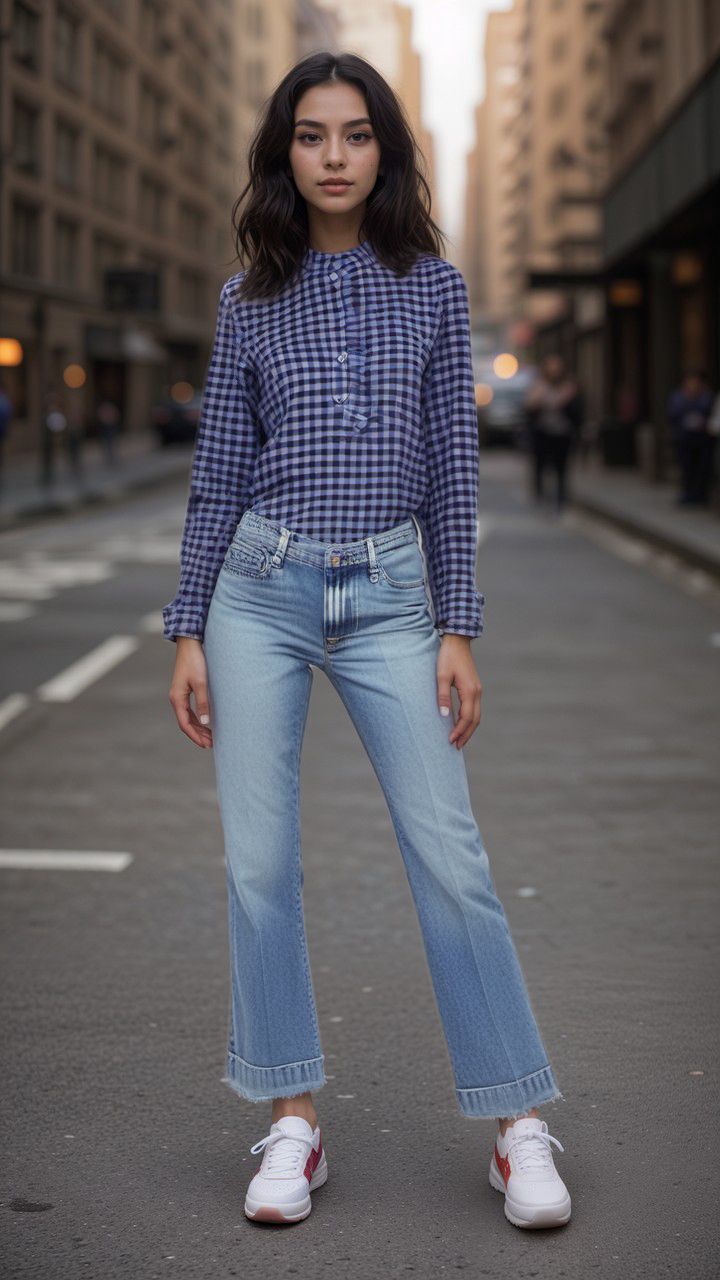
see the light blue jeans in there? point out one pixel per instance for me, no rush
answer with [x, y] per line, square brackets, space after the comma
[361, 612]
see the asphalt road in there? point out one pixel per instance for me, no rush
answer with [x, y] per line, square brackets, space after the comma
[594, 778]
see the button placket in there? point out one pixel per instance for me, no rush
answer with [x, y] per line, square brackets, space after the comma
[340, 380]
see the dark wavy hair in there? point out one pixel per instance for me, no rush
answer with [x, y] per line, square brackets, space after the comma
[271, 232]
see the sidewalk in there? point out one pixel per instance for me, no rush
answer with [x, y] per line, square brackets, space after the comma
[140, 464]
[647, 510]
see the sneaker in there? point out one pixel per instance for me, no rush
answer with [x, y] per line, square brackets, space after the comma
[293, 1165]
[522, 1167]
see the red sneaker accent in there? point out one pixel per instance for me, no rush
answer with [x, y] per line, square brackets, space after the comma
[503, 1165]
[313, 1161]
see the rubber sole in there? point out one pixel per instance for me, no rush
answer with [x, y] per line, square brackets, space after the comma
[288, 1213]
[553, 1215]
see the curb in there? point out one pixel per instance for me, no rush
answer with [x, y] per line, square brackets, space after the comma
[44, 510]
[692, 556]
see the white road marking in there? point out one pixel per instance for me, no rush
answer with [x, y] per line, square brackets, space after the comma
[142, 547]
[12, 706]
[12, 611]
[153, 622]
[62, 860]
[38, 578]
[75, 678]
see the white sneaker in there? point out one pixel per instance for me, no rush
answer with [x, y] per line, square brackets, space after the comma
[293, 1165]
[522, 1167]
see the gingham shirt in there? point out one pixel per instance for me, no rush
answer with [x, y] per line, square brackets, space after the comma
[340, 407]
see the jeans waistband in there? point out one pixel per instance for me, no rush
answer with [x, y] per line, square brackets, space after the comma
[277, 536]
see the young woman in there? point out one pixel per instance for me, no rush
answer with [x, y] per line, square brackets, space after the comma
[332, 523]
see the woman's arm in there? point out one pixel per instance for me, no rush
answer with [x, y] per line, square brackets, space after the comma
[226, 447]
[449, 509]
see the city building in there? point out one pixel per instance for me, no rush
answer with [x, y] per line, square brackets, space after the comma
[123, 126]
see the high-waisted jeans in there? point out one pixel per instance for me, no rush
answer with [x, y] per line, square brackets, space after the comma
[361, 612]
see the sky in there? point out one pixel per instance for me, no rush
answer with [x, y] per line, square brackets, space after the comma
[449, 35]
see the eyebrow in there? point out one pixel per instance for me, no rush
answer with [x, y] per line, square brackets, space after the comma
[318, 124]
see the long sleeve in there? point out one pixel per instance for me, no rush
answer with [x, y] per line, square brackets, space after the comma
[226, 447]
[449, 509]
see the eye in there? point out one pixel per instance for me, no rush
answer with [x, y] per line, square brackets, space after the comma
[303, 137]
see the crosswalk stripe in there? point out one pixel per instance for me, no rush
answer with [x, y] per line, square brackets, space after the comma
[62, 860]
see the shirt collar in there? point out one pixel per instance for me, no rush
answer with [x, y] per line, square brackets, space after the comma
[361, 255]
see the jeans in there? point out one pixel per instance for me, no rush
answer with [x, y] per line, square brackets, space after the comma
[361, 612]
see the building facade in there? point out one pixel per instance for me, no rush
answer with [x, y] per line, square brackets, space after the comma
[123, 128]
[661, 210]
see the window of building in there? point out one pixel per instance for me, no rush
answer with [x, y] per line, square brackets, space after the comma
[26, 36]
[67, 146]
[558, 48]
[25, 238]
[26, 137]
[193, 147]
[557, 100]
[116, 8]
[107, 252]
[152, 209]
[109, 74]
[194, 56]
[150, 26]
[192, 223]
[66, 45]
[191, 292]
[110, 179]
[66, 258]
[152, 114]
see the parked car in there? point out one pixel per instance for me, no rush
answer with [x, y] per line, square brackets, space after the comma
[501, 416]
[176, 421]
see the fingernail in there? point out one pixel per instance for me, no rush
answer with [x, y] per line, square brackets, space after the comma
[444, 711]
[204, 719]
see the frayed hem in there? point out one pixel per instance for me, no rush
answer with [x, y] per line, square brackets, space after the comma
[497, 1101]
[559, 1097]
[269, 1097]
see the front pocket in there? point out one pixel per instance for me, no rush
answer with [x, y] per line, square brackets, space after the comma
[402, 566]
[247, 558]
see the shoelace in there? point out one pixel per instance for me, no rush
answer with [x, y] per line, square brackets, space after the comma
[288, 1158]
[532, 1150]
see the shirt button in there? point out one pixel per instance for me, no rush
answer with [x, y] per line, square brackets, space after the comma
[342, 356]
[333, 275]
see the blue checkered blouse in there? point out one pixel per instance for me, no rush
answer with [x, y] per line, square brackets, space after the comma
[340, 407]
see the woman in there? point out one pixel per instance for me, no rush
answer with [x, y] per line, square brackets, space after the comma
[332, 522]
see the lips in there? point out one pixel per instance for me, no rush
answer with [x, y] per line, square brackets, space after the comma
[335, 182]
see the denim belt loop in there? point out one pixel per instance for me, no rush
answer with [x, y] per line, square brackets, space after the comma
[279, 553]
[374, 571]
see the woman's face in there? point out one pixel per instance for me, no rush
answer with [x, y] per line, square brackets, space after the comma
[333, 138]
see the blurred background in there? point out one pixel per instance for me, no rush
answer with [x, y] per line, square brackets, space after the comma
[572, 150]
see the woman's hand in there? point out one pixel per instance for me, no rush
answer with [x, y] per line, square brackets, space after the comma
[455, 666]
[190, 676]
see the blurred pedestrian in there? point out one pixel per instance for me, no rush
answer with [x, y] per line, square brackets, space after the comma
[334, 465]
[6, 412]
[553, 405]
[690, 410]
[61, 436]
[108, 419]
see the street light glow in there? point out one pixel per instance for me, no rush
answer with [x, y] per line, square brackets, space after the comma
[505, 365]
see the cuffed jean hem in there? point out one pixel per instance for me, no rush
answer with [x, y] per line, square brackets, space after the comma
[262, 1084]
[512, 1099]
